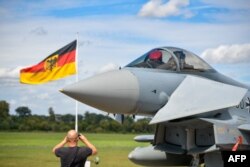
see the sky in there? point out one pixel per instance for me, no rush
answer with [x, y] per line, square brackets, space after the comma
[112, 34]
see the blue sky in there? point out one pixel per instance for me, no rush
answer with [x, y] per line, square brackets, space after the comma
[112, 34]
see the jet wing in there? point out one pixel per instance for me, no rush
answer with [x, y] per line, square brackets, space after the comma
[244, 127]
[197, 95]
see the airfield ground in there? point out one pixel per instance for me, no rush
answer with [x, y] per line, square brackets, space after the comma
[34, 149]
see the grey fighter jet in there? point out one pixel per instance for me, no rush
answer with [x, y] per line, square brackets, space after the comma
[198, 112]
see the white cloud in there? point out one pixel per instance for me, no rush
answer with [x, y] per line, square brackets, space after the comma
[228, 54]
[112, 38]
[157, 8]
[10, 72]
[39, 31]
[43, 96]
[13, 102]
[108, 67]
[24, 99]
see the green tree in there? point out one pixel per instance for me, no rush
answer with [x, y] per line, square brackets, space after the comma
[52, 117]
[23, 111]
[104, 124]
[4, 109]
[115, 126]
[4, 115]
[142, 126]
[128, 124]
[68, 118]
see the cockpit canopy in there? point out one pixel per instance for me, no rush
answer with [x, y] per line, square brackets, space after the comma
[171, 58]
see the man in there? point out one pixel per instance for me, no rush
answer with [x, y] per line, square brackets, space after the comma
[74, 156]
[153, 61]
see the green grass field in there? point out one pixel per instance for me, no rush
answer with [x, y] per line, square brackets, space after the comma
[34, 149]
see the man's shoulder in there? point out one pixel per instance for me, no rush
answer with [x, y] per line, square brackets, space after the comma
[64, 150]
[85, 150]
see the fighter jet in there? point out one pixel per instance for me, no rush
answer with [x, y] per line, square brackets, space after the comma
[198, 112]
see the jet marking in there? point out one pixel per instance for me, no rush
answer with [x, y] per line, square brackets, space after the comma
[154, 91]
[248, 104]
[244, 105]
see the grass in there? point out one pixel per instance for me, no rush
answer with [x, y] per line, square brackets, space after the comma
[34, 149]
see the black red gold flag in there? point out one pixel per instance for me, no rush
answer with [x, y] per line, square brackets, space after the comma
[57, 65]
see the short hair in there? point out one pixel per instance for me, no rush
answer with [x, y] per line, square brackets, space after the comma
[72, 135]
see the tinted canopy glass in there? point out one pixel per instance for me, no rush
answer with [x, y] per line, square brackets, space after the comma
[170, 58]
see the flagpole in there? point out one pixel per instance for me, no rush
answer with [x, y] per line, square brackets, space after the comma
[76, 112]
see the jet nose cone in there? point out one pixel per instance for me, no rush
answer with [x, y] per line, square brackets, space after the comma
[115, 91]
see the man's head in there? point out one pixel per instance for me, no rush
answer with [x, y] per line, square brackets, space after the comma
[155, 55]
[180, 55]
[72, 136]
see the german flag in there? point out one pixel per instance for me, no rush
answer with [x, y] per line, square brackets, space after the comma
[57, 65]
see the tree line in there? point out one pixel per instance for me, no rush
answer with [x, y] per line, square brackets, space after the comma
[24, 120]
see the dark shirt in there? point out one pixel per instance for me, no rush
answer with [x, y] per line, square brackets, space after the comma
[68, 154]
